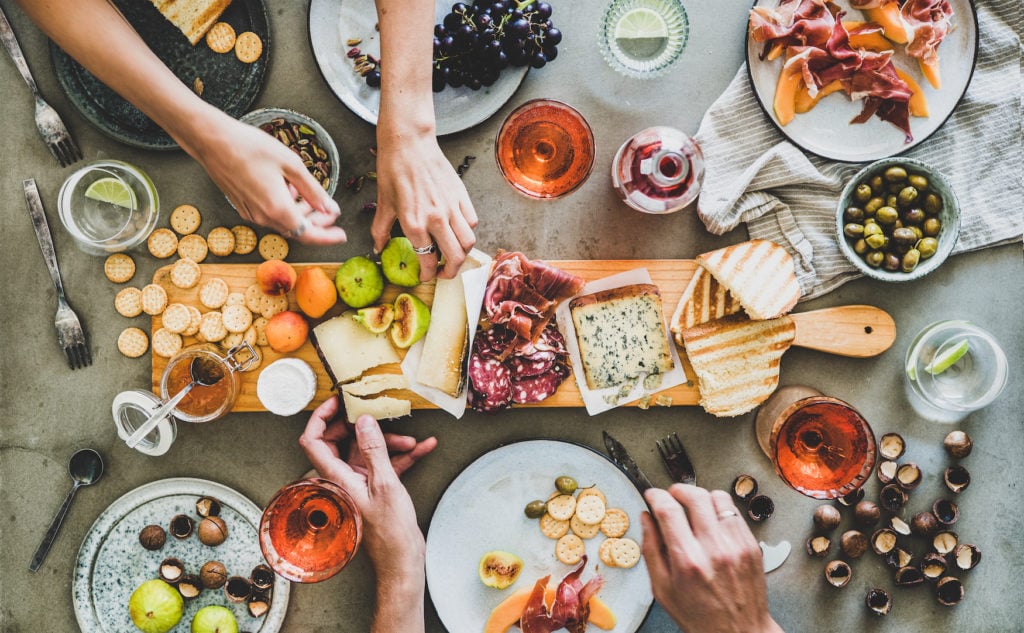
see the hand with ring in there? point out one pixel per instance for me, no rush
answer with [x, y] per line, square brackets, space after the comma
[705, 564]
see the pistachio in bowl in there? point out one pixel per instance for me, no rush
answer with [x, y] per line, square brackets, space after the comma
[305, 137]
[897, 219]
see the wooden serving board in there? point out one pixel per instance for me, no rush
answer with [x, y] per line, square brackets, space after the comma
[670, 275]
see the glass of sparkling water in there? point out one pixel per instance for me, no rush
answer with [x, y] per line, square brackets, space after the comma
[108, 206]
[643, 38]
[952, 369]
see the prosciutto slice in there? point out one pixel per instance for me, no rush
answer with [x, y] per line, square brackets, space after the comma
[570, 609]
[522, 294]
[928, 22]
[792, 23]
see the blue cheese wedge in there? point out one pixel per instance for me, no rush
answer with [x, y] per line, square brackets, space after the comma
[347, 349]
[621, 335]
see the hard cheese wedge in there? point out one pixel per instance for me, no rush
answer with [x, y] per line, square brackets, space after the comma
[381, 408]
[347, 349]
[444, 348]
[376, 383]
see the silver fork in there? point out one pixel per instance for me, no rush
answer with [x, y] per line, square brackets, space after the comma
[677, 462]
[69, 329]
[51, 128]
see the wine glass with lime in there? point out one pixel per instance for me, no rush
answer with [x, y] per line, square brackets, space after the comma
[643, 38]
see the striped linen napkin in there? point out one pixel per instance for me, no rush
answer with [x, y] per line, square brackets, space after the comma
[754, 175]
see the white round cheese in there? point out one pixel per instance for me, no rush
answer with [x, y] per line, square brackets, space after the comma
[286, 386]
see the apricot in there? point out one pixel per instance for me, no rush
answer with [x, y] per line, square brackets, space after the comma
[286, 331]
[275, 277]
[315, 292]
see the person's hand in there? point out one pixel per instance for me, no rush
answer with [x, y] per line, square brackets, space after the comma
[368, 470]
[705, 565]
[267, 182]
[418, 186]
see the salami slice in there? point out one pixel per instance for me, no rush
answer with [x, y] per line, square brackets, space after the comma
[538, 388]
[491, 381]
[534, 365]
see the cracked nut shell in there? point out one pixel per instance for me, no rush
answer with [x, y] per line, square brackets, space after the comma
[838, 573]
[933, 566]
[851, 498]
[899, 526]
[190, 586]
[181, 526]
[207, 507]
[891, 446]
[212, 531]
[886, 471]
[957, 478]
[945, 511]
[171, 570]
[944, 542]
[898, 557]
[259, 604]
[966, 556]
[213, 574]
[867, 514]
[237, 589]
[924, 524]
[760, 508]
[883, 541]
[958, 444]
[152, 537]
[909, 576]
[908, 476]
[892, 498]
[744, 487]
[949, 591]
[878, 601]
[262, 577]
[819, 546]
[853, 543]
[826, 518]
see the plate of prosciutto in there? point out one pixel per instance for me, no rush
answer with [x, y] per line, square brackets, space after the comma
[482, 515]
[860, 80]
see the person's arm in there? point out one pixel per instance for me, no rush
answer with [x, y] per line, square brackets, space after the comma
[705, 564]
[391, 536]
[251, 168]
[416, 183]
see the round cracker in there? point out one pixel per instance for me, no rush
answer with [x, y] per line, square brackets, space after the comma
[211, 327]
[154, 299]
[570, 549]
[166, 343]
[593, 490]
[237, 318]
[237, 338]
[195, 316]
[128, 302]
[562, 507]
[273, 246]
[193, 247]
[552, 527]
[162, 243]
[213, 293]
[260, 325]
[221, 37]
[236, 299]
[221, 241]
[185, 273]
[245, 239]
[590, 509]
[248, 47]
[625, 553]
[269, 306]
[583, 530]
[253, 294]
[133, 342]
[176, 318]
[119, 268]
[604, 552]
[615, 522]
[185, 219]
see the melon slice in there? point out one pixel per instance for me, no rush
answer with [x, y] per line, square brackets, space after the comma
[507, 613]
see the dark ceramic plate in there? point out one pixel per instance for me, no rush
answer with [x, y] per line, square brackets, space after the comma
[227, 83]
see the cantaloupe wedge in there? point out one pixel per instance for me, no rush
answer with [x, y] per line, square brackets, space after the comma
[873, 41]
[785, 93]
[918, 102]
[507, 613]
[888, 17]
[775, 51]
[931, 73]
[805, 102]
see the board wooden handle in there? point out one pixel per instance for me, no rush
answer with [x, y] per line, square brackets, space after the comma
[858, 331]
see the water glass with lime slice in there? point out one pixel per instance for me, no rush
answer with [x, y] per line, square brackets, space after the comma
[643, 38]
[952, 369]
[108, 206]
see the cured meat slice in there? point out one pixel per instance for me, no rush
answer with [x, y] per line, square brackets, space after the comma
[522, 294]
[928, 23]
[792, 23]
[571, 606]
[539, 387]
[492, 381]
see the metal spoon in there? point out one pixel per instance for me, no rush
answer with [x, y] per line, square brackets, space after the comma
[86, 467]
[204, 371]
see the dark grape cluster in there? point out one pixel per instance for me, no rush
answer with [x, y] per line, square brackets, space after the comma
[475, 42]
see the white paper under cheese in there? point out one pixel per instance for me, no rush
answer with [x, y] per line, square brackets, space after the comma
[370, 385]
[382, 408]
[350, 349]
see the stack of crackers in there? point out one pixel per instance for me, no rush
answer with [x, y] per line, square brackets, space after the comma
[572, 519]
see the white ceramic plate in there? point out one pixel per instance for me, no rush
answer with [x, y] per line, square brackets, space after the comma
[826, 130]
[482, 510]
[332, 22]
[111, 562]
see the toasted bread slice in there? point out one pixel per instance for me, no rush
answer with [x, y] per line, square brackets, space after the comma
[705, 299]
[192, 17]
[737, 361]
[759, 273]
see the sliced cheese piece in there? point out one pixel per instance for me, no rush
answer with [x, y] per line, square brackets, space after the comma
[370, 385]
[347, 349]
[381, 408]
[442, 364]
[286, 386]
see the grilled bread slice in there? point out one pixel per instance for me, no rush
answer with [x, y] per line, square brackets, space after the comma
[760, 274]
[192, 17]
[704, 299]
[737, 361]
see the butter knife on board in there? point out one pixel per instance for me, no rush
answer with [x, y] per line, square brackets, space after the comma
[628, 465]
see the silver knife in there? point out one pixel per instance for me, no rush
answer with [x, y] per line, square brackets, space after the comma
[628, 465]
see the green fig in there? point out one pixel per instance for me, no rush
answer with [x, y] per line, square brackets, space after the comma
[499, 569]
[400, 263]
[376, 318]
[359, 282]
[412, 319]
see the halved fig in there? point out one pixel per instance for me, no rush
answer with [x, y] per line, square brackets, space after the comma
[376, 318]
[499, 569]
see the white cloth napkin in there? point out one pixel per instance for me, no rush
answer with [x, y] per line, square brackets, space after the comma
[754, 175]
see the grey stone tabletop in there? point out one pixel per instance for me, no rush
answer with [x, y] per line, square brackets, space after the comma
[47, 411]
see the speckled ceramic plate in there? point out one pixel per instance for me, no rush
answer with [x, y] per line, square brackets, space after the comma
[332, 22]
[482, 510]
[228, 83]
[826, 130]
[111, 562]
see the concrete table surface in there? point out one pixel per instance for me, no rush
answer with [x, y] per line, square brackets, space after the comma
[47, 411]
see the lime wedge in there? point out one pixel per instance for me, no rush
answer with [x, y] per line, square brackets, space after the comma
[947, 358]
[641, 23]
[111, 190]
